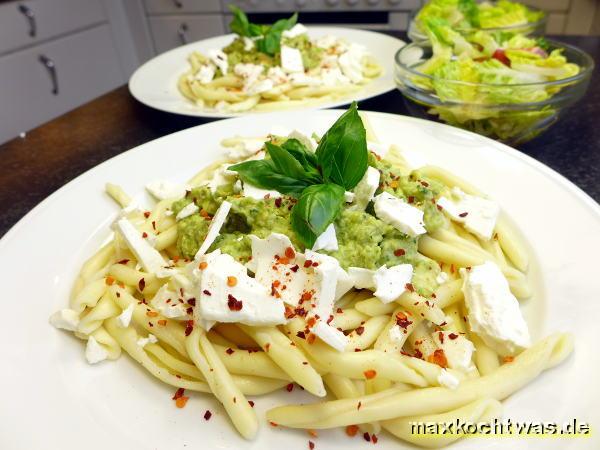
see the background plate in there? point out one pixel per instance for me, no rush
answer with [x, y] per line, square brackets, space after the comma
[53, 399]
[155, 82]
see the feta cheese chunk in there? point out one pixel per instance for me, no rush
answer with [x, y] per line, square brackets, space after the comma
[124, 319]
[397, 335]
[349, 196]
[295, 31]
[258, 193]
[248, 44]
[366, 187]
[291, 59]
[326, 41]
[205, 73]
[150, 259]
[324, 283]
[229, 295]
[187, 211]
[275, 264]
[362, 278]
[477, 214]
[351, 62]
[457, 348]
[214, 228]
[441, 278]
[219, 59]
[327, 240]
[151, 339]
[333, 77]
[65, 319]
[220, 177]
[259, 86]
[493, 311]
[277, 76]
[94, 352]
[167, 302]
[163, 189]
[308, 141]
[391, 283]
[402, 216]
[447, 379]
[331, 336]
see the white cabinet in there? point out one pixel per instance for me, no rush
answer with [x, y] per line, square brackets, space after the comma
[171, 31]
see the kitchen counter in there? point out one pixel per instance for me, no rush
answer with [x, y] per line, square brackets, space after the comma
[46, 158]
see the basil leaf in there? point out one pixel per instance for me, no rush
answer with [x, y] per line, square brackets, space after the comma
[317, 207]
[263, 174]
[271, 42]
[299, 151]
[284, 162]
[342, 152]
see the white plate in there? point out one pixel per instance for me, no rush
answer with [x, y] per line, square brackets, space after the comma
[155, 82]
[52, 399]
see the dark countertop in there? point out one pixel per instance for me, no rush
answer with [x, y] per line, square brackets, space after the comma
[56, 152]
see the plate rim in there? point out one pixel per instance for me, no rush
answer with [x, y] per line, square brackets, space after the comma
[219, 115]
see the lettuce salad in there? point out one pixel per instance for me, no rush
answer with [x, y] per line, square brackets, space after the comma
[485, 76]
[468, 15]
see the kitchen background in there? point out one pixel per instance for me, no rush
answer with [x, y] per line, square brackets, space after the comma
[58, 54]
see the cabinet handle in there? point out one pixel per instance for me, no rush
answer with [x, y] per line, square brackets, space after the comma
[182, 33]
[178, 3]
[51, 67]
[28, 13]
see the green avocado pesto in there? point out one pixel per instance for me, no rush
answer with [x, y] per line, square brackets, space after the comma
[363, 239]
[236, 53]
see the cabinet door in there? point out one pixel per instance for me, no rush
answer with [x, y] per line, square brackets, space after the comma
[172, 31]
[30, 22]
[181, 6]
[81, 67]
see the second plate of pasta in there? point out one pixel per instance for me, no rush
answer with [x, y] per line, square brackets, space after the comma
[174, 81]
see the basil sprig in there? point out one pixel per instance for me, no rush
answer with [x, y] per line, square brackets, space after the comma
[269, 35]
[318, 180]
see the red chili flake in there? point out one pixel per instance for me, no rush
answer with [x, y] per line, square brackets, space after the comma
[190, 310]
[439, 207]
[234, 304]
[273, 424]
[267, 347]
[311, 338]
[110, 281]
[295, 268]
[289, 387]
[424, 183]
[311, 445]
[399, 252]
[192, 301]
[118, 295]
[290, 253]
[251, 403]
[464, 214]
[144, 235]
[330, 319]
[313, 433]
[500, 55]
[357, 350]
[189, 327]
[231, 281]
[207, 415]
[206, 292]
[358, 405]
[162, 323]
[203, 265]
[152, 314]
[418, 354]
[181, 402]
[147, 214]
[154, 225]
[411, 199]
[409, 287]
[508, 359]
[402, 320]
[374, 439]
[360, 330]
[367, 437]
[306, 296]
[370, 374]
[123, 261]
[351, 430]
[438, 357]
[141, 284]
[289, 312]
[179, 393]
[453, 336]
[301, 311]
[307, 263]
[441, 337]
[234, 400]
[315, 264]
[278, 201]
[229, 351]
[339, 311]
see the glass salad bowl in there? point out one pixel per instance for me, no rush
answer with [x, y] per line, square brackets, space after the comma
[510, 113]
[534, 27]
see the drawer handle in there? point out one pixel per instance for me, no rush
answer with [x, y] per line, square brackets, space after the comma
[178, 3]
[28, 13]
[51, 67]
[182, 33]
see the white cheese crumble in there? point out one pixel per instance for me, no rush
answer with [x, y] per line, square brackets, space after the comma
[219, 59]
[187, 211]
[151, 339]
[477, 214]
[361, 277]
[397, 335]
[307, 141]
[150, 259]
[214, 228]
[277, 76]
[243, 300]
[457, 349]
[258, 193]
[205, 73]
[402, 216]
[248, 44]
[164, 189]
[351, 62]
[327, 240]
[291, 59]
[65, 319]
[349, 196]
[124, 319]
[441, 278]
[295, 31]
[391, 282]
[331, 336]
[168, 304]
[366, 187]
[445, 378]
[94, 352]
[493, 311]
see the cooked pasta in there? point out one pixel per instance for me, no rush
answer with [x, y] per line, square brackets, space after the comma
[391, 350]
